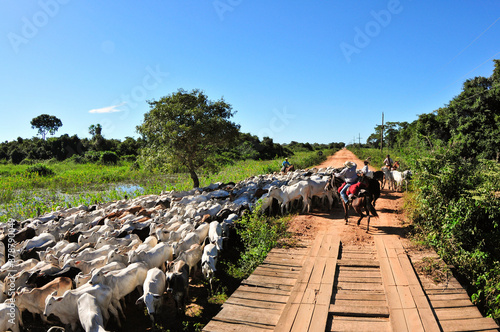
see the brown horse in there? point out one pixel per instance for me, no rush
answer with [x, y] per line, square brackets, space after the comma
[288, 169]
[362, 203]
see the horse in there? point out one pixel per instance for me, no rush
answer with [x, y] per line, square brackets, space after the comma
[290, 168]
[379, 176]
[362, 203]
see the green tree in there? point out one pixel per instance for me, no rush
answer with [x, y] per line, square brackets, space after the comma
[46, 124]
[185, 131]
[95, 130]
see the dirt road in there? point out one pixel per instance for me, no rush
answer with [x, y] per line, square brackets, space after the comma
[389, 208]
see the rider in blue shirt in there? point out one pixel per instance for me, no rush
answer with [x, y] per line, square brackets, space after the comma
[285, 165]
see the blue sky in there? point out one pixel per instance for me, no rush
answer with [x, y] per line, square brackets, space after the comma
[308, 71]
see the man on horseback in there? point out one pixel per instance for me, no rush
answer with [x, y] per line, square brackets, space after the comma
[350, 177]
[388, 162]
[286, 165]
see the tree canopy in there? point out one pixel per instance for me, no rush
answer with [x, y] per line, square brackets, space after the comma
[185, 131]
[46, 124]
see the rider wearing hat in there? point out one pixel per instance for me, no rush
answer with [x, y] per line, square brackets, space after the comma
[285, 165]
[350, 177]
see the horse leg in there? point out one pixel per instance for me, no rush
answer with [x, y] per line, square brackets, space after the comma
[346, 212]
[368, 225]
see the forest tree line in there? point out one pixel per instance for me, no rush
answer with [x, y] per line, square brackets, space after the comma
[64, 147]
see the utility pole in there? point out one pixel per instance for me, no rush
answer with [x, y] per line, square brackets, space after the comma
[359, 139]
[382, 134]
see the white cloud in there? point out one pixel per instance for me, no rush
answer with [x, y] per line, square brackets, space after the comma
[108, 109]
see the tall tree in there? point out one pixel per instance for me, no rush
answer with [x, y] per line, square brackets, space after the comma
[185, 131]
[46, 124]
[95, 130]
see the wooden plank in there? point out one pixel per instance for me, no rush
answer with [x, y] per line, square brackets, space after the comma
[406, 297]
[330, 268]
[306, 271]
[365, 296]
[325, 246]
[397, 272]
[310, 293]
[232, 326]
[360, 324]
[318, 270]
[360, 286]
[358, 262]
[366, 311]
[451, 304]
[474, 324]
[303, 319]
[277, 273]
[413, 321]
[287, 317]
[428, 320]
[297, 293]
[354, 279]
[360, 302]
[369, 272]
[324, 296]
[256, 315]
[251, 304]
[267, 280]
[448, 297]
[263, 290]
[398, 320]
[274, 298]
[316, 245]
[457, 313]
[319, 318]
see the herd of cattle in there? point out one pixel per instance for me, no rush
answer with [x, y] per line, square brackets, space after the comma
[80, 263]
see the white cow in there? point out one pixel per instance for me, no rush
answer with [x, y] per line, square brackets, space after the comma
[154, 287]
[154, 257]
[90, 313]
[287, 194]
[317, 189]
[387, 178]
[215, 234]
[122, 282]
[209, 262]
[192, 256]
[66, 307]
[34, 300]
[10, 317]
[38, 241]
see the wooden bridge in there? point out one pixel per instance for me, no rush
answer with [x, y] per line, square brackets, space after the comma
[331, 286]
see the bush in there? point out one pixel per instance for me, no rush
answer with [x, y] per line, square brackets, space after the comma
[76, 159]
[129, 158]
[27, 161]
[92, 156]
[259, 234]
[40, 169]
[457, 211]
[109, 157]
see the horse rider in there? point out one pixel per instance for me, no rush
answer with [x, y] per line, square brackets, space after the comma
[285, 164]
[365, 170]
[350, 178]
[388, 162]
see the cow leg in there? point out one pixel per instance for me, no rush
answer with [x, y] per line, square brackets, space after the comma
[368, 225]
